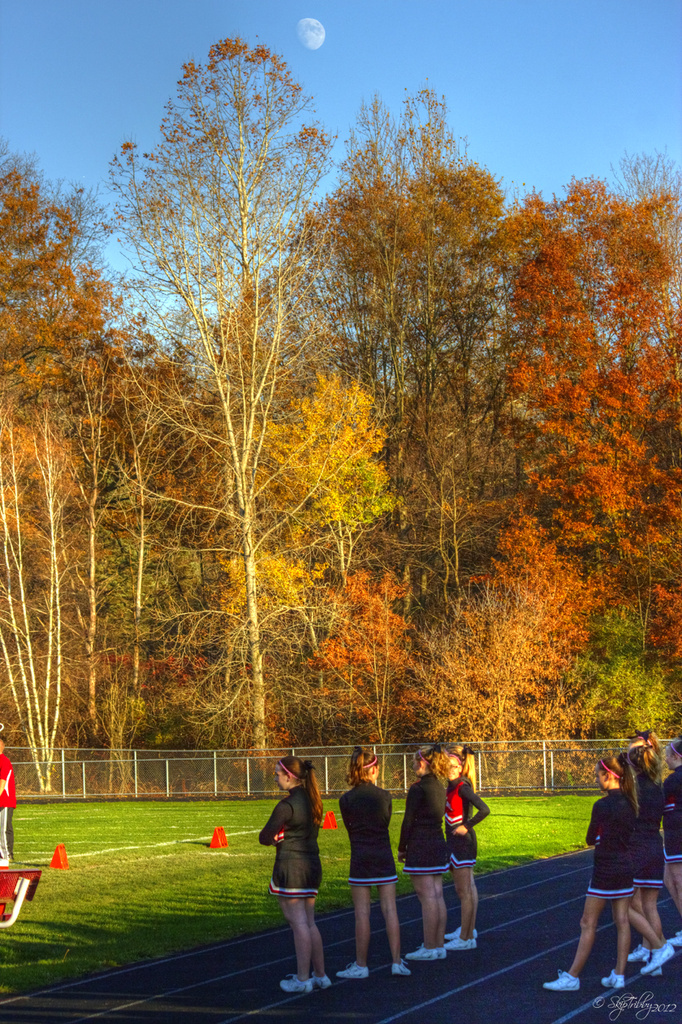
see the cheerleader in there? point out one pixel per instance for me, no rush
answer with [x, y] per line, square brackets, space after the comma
[292, 830]
[461, 840]
[611, 826]
[646, 846]
[366, 812]
[672, 827]
[422, 847]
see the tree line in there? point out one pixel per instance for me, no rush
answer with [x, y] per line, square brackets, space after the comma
[395, 459]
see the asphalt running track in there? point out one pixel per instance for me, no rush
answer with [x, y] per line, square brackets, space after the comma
[527, 928]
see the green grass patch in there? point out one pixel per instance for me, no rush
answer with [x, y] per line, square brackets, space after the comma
[142, 881]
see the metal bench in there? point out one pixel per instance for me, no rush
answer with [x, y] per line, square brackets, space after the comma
[17, 886]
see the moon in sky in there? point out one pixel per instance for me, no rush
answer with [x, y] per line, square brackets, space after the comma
[311, 33]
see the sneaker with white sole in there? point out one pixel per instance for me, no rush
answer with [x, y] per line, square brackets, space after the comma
[426, 954]
[294, 984]
[321, 981]
[353, 970]
[456, 934]
[639, 953]
[564, 983]
[461, 944]
[400, 968]
[658, 958]
[614, 980]
[676, 939]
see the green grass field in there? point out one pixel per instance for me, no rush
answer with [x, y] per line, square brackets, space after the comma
[142, 880]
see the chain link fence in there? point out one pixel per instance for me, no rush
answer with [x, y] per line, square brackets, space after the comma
[524, 766]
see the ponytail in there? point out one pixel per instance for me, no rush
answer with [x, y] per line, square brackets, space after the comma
[304, 771]
[465, 755]
[435, 756]
[361, 760]
[620, 767]
[646, 757]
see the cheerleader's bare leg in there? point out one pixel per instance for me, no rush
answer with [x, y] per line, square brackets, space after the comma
[316, 949]
[390, 912]
[672, 879]
[465, 887]
[362, 902]
[644, 903]
[621, 919]
[299, 912]
[588, 928]
[429, 890]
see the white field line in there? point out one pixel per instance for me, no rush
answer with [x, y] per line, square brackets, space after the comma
[257, 936]
[607, 992]
[147, 846]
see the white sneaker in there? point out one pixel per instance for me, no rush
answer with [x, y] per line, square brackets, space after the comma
[461, 944]
[427, 954]
[639, 953]
[294, 984]
[564, 983]
[400, 968]
[353, 970]
[658, 958]
[676, 939]
[614, 980]
[4, 862]
[321, 981]
[457, 932]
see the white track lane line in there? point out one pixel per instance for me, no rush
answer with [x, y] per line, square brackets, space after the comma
[488, 977]
[478, 981]
[254, 967]
[384, 967]
[258, 935]
[609, 992]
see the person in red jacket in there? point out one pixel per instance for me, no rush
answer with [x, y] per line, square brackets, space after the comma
[8, 801]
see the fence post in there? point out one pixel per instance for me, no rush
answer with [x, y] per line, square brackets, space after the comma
[167, 780]
[551, 761]
[248, 778]
[135, 770]
[405, 772]
[63, 775]
[215, 773]
[326, 775]
[544, 762]
[83, 769]
[480, 774]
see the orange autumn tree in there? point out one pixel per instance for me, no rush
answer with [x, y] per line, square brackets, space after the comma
[596, 392]
[498, 668]
[366, 661]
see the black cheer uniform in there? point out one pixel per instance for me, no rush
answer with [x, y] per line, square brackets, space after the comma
[646, 845]
[366, 812]
[610, 831]
[672, 817]
[297, 870]
[421, 835]
[460, 798]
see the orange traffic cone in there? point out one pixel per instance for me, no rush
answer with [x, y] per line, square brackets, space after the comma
[329, 820]
[219, 838]
[59, 859]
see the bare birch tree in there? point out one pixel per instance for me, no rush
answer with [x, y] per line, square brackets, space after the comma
[216, 218]
[33, 562]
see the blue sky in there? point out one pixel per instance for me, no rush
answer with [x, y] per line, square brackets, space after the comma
[542, 89]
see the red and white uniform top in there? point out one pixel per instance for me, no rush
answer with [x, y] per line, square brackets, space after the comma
[8, 797]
